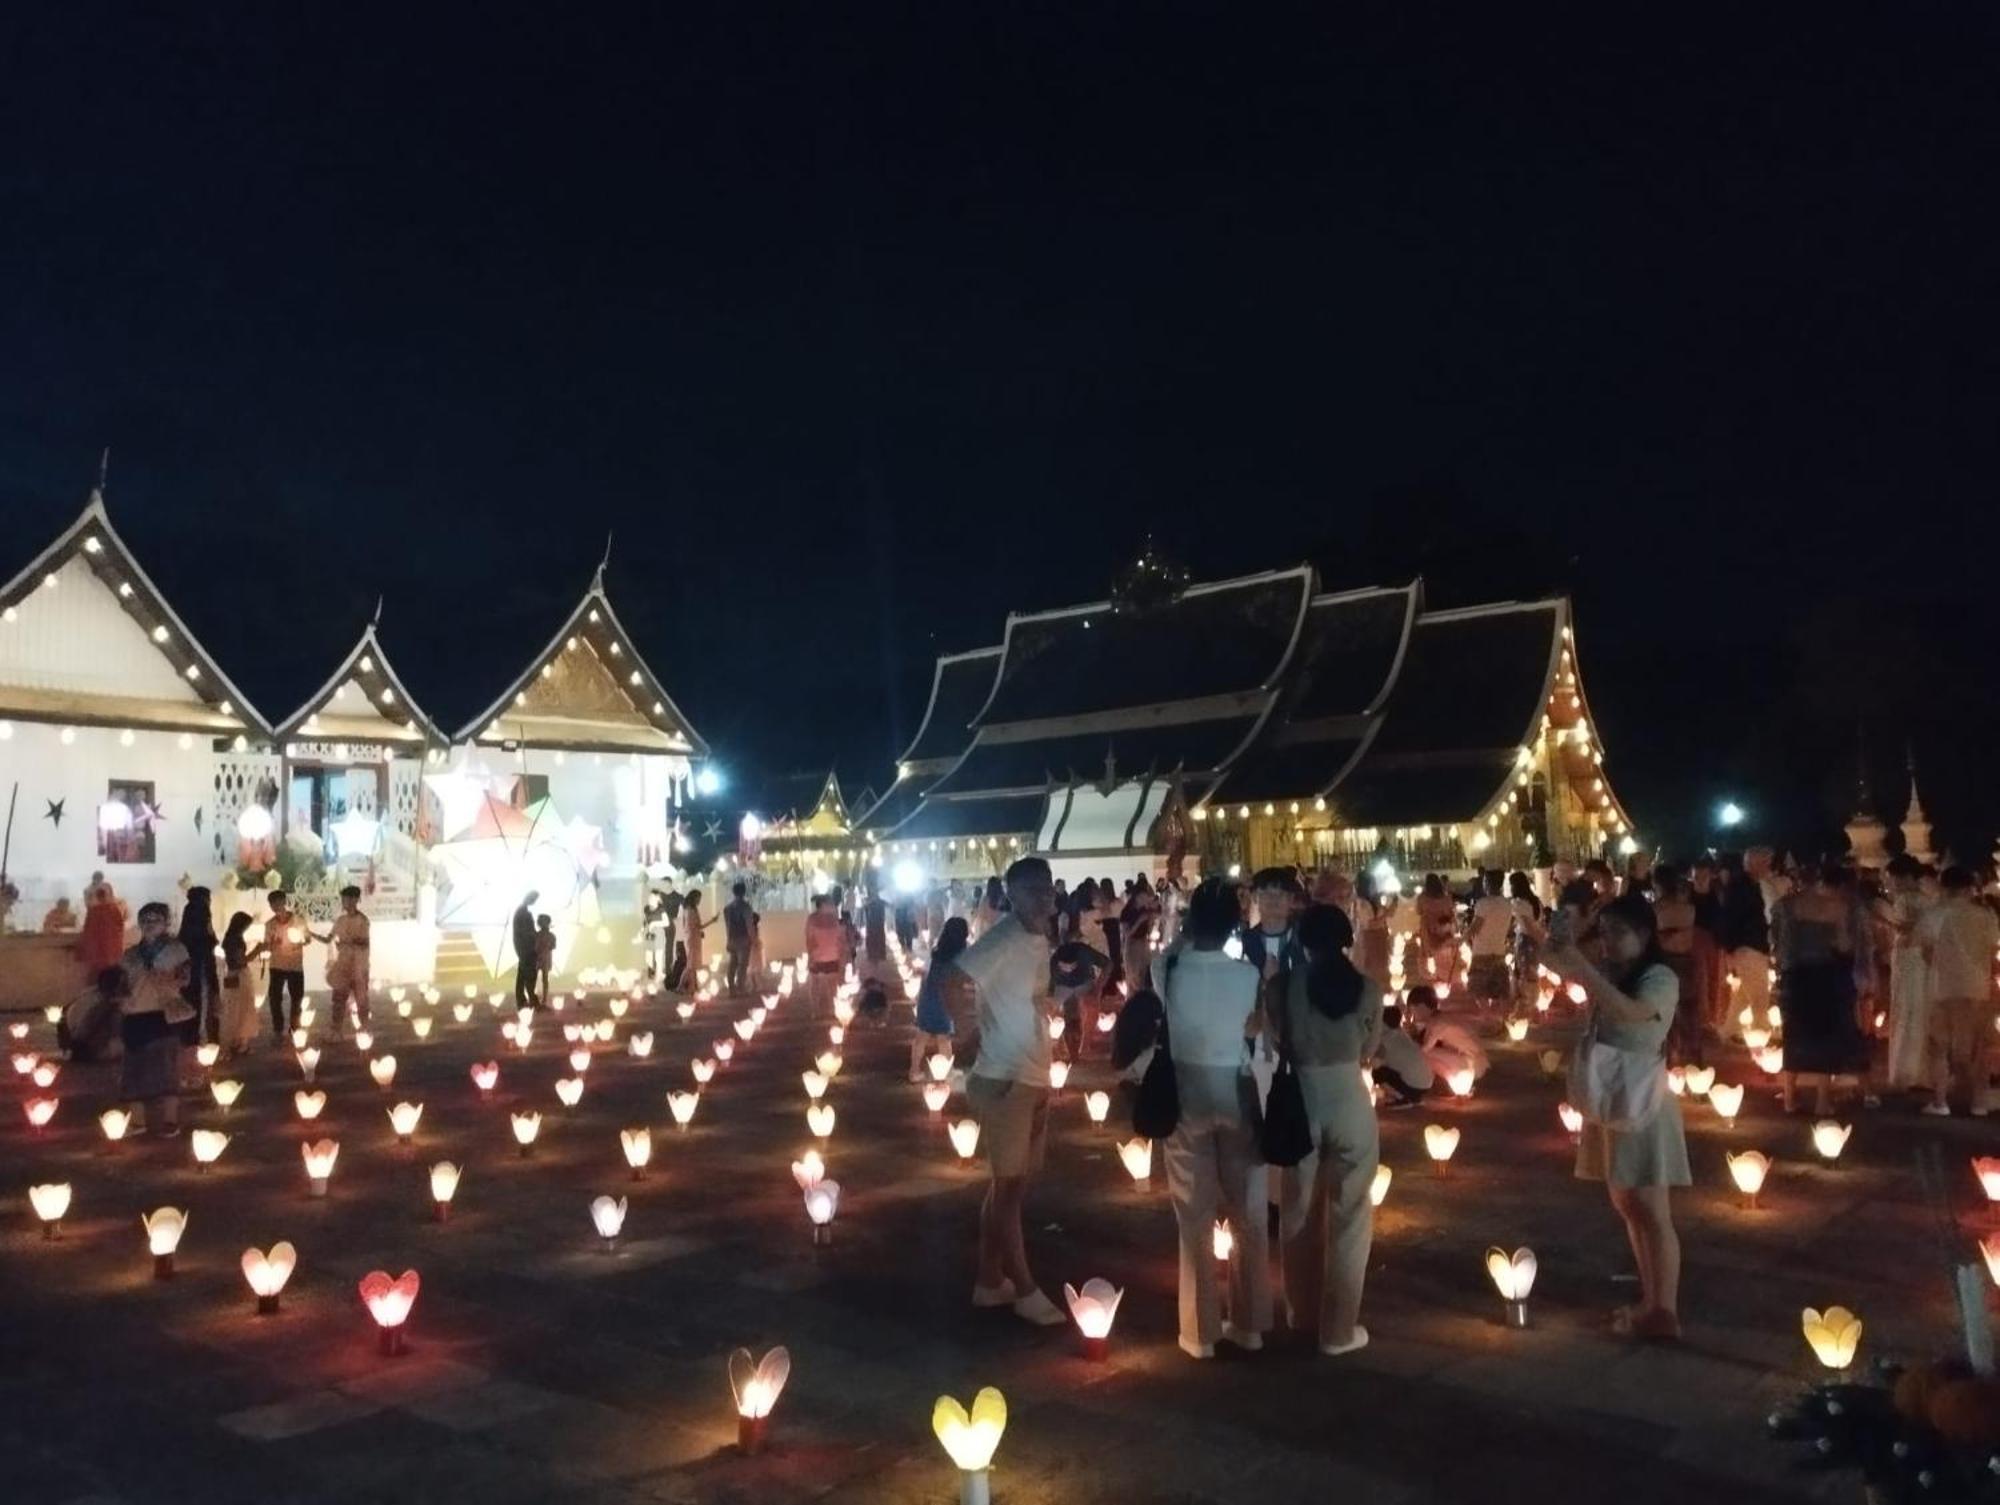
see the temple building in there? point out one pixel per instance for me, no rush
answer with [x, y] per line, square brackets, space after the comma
[1259, 721]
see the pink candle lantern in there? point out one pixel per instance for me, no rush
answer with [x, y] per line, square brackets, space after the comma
[389, 1303]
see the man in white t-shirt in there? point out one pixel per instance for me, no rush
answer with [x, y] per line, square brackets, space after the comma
[1002, 979]
[1492, 929]
[1958, 935]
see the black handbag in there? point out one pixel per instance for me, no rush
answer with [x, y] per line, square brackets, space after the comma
[1156, 1106]
[1286, 1137]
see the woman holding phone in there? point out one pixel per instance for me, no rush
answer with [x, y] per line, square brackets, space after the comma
[1632, 998]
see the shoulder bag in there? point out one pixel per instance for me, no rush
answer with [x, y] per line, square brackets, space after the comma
[1286, 1135]
[1156, 1106]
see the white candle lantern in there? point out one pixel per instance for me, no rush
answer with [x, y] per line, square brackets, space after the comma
[403, 1119]
[1094, 1309]
[308, 1060]
[1727, 1100]
[363, 1041]
[815, 1084]
[390, 1302]
[1514, 1277]
[1136, 1155]
[682, 1105]
[965, 1137]
[638, 1146]
[115, 1122]
[936, 1095]
[1097, 1105]
[444, 1186]
[822, 1202]
[208, 1145]
[485, 1076]
[319, 1160]
[225, 1093]
[809, 1170]
[569, 1090]
[819, 1118]
[1378, 1189]
[1748, 1171]
[640, 1045]
[39, 1111]
[268, 1272]
[723, 1050]
[164, 1227]
[207, 1054]
[526, 1126]
[971, 1440]
[756, 1385]
[702, 1070]
[50, 1201]
[1440, 1143]
[383, 1070]
[1572, 1120]
[308, 1104]
[1058, 1075]
[607, 1215]
[1830, 1138]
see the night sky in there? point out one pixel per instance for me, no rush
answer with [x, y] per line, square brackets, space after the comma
[860, 327]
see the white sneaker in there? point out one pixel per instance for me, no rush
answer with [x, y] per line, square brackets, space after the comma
[989, 1296]
[1197, 1350]
[1979, 1110]
[1038, 1309]
[1936, 1110]
[1247, 1341]
[1352, 1345]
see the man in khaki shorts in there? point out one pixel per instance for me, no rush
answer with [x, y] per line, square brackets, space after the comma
[1002, 979]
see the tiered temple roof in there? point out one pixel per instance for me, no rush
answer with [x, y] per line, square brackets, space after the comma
[1251, 697]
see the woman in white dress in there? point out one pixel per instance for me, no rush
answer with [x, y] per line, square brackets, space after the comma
[1909, 981]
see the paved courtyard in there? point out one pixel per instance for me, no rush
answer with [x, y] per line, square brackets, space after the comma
[540, 1368]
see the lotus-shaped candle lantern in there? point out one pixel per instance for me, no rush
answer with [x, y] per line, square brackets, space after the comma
[268, 1272]
[1513, 1277]
[319, 1160]
[971, 1439]
[164, 1227]
[1094, 1308]
[389, 1302]
[1136, 1155]
[1833, 1335]
[756, 1384]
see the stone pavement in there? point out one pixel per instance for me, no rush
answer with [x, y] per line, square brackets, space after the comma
[543, 1369]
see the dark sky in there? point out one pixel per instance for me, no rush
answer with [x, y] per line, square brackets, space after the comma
[861, 326]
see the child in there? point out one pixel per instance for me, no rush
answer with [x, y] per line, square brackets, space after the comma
[1403, 1070]
[933, 1024]
[545, 953]
[156, 970]
[1447, 1046]
[90, 1023]
[239, 1008]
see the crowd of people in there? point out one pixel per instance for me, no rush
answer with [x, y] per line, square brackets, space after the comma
[1879, 984]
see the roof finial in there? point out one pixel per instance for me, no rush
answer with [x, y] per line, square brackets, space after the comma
[103, 469]
[376, 620]
[597, 580]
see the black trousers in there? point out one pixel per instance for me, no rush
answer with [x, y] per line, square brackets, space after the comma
[1405, 1093]
[524, 983]
[274, 1000]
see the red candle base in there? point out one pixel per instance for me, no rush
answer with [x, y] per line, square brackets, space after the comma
[750, 1434]
[441, 1211]
[266, 1305]
[389, 1341]
[163, 1267]
[1095, 1349]
[52, 1230]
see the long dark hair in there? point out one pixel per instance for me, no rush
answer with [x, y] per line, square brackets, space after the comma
[1213, 911]
[1635, 913]
[1333, 983]
[951, 940]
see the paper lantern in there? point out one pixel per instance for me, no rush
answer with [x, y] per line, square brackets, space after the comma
[938, 1064]
[607, 1215]
[1770, 1060]
[403, 1119]
[682, 1105]
[1460, 1080]
[936, 1095]
[828, 1062]
[1514, 1277]
[523, 1038]
[822, 1202]
[52, 1013]
[685, 1010]
[809, 1170]
[1987, 1169]
[50, 1201]
[1094, 1309]
[756, 1385]
[115, 1122]
[526, 1126]
[819, 1118]
[579, 1061]
[208, 1145]
[25, 1062]
[1058, 1075]
[1830, 1138]
[1700, 1080]
[207, 1054]
[704, 1070]
[389, 1302]
[1756, 1039]
[444, 1186]
[1517, 1028]
[421, 1028]
[815, 1084]
[164, 1227]
[1748, 1171]
[308, 1060]
[1378, 1189]
[309, 1104]
[383, 1069]
[971, 1440]
[363, 1041]
[403, 1010]
[1136, 1155]
[225, 1093]
[1440, 1143]
[39, 1111]
[319, 1159]
[19, 1030]
[569, 1090]
[1054, 1025]
[1989, 1249]
[1727, 1100]
[1097, 1105]
[44, 1075]
[1677, 1082]
[640, 1045]
[268, 1272]
[461, 1013]
[744, 1028]
[1572, 1120]
[843, 1011]
[835, 1035]
[1833, 1335]
[618, 1006]
[965, 1137]
[1107, 1022]
[1224, 1242]
[1551, 1062]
